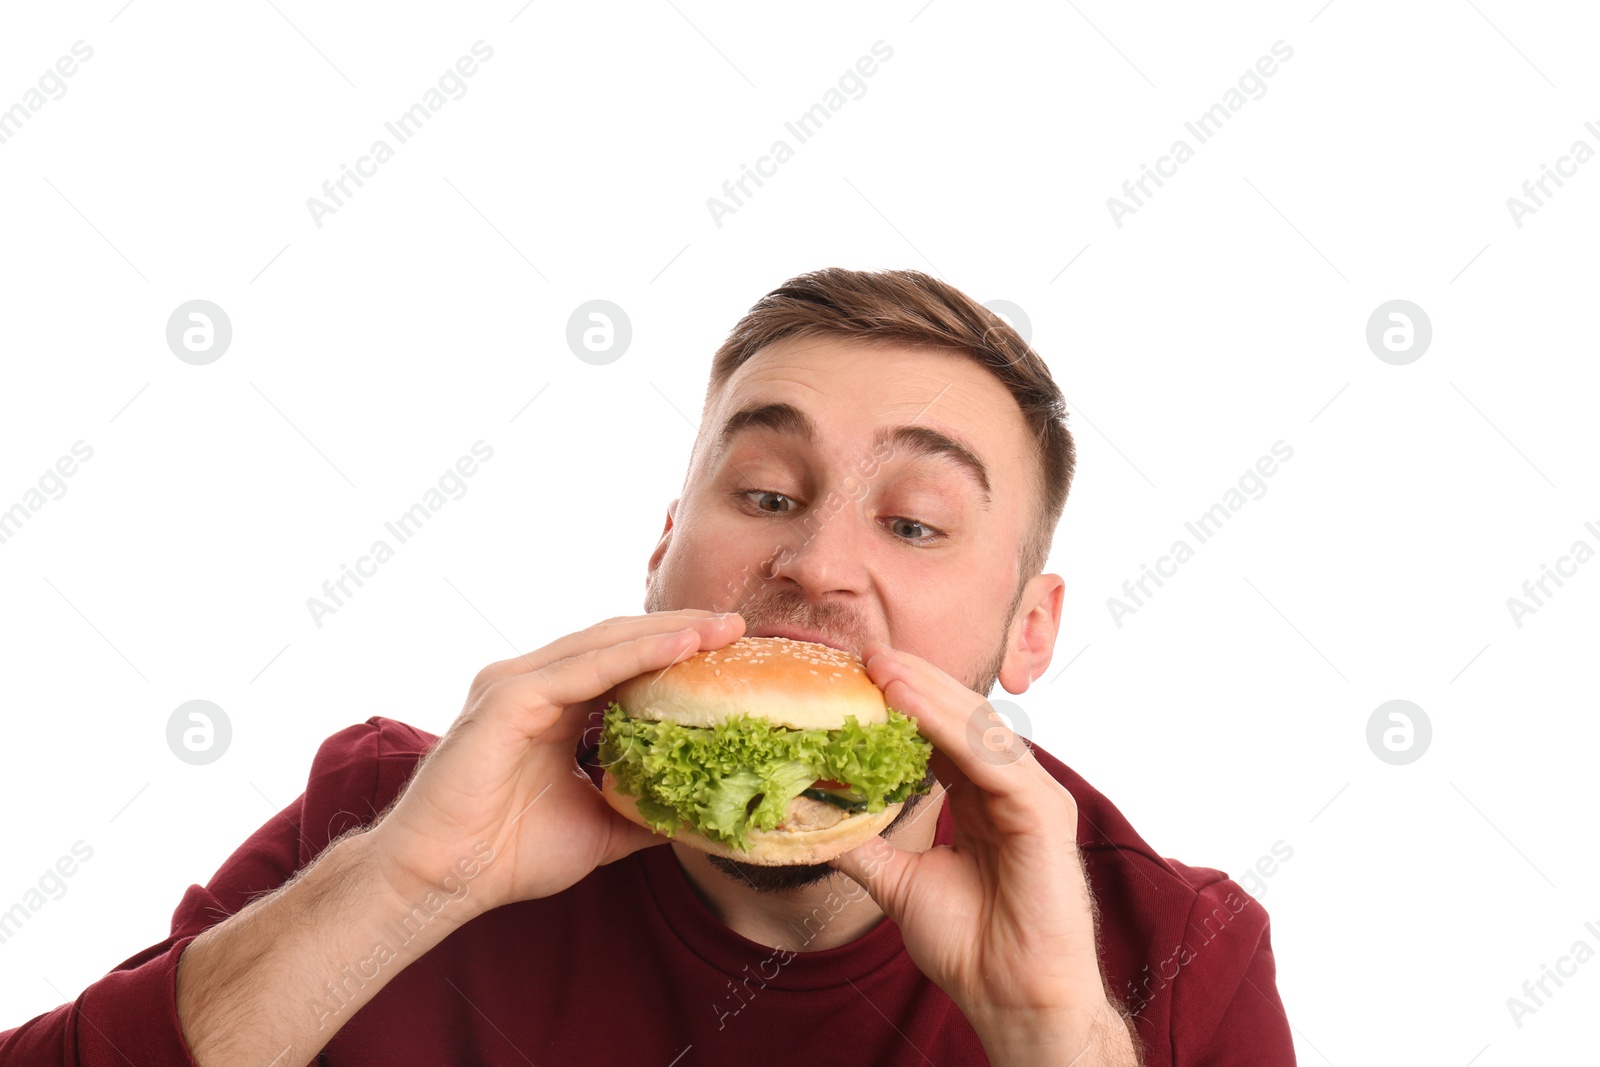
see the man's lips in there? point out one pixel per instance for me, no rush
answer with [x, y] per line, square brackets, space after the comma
[796, 634]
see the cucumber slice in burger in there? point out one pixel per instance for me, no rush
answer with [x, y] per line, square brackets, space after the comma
[847, 801]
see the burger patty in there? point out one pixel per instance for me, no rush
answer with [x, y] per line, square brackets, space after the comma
[806, 814]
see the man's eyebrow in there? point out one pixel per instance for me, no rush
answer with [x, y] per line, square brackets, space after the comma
[917, 440]
[777, 417]
[926, 441]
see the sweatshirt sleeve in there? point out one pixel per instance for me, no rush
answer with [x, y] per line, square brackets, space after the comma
[1226, 1010]
[131, 1015]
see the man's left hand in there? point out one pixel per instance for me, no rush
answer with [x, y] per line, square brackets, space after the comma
[1002, 920]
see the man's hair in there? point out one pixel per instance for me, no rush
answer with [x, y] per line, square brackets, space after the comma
[907, 308]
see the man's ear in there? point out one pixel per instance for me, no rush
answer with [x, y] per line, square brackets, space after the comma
[1031, 639]
[661, 545]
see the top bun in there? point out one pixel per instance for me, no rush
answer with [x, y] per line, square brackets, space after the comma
[797, 684]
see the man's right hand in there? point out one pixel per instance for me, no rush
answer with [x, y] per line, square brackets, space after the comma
[506, 774]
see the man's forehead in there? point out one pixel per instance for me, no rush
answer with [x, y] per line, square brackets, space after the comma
[887, 383]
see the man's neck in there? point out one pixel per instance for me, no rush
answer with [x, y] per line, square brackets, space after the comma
[833, 912]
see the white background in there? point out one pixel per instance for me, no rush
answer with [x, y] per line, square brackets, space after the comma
[1228, 313]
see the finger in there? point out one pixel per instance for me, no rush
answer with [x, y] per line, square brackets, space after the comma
[615, 631]
[961, 724]
[883, 870]
[624, 837]
[714, 631]
[536, 699]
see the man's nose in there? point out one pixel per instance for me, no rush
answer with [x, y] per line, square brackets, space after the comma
[826, 550]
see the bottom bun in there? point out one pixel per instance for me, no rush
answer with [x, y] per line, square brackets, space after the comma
[770, 848]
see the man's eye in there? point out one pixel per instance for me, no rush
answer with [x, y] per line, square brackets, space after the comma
[899, 527]
[766, 500]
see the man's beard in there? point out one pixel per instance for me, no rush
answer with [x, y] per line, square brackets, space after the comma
[837, 622]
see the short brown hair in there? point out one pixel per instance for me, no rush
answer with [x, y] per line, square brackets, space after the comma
[911, 309]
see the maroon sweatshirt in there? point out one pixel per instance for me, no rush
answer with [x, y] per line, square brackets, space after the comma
[629, 967]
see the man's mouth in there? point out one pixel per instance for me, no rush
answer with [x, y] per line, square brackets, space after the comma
[794, 633]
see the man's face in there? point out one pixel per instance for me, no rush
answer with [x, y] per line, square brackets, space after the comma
[856, 531]
[843, 494]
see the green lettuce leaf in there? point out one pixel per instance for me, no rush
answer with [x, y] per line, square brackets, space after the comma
[708, 776]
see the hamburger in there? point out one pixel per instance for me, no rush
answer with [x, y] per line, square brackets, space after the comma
[766, 751]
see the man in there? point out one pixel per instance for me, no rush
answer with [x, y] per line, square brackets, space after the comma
[881, 466]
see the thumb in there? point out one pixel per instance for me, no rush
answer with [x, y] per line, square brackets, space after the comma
[883, 870]
[625, 832]
[625, 838]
